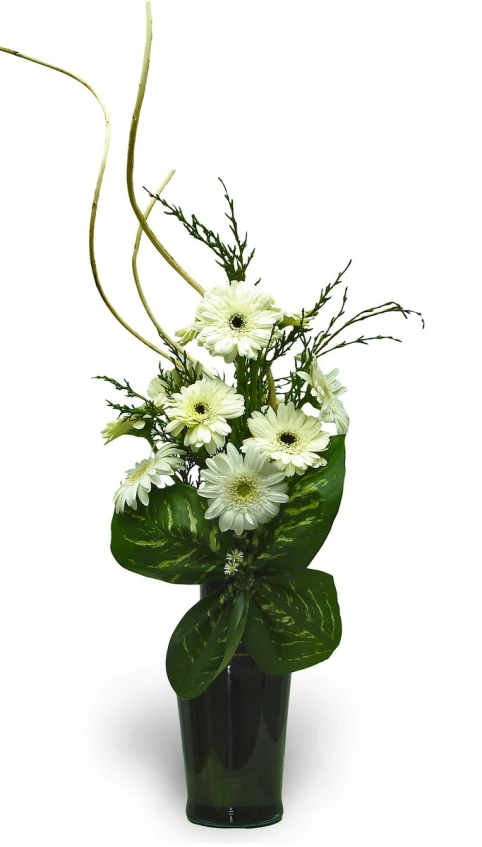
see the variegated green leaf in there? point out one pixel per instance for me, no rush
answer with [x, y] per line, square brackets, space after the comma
[205, 641]
[293, 623]
[170, 539]
[236, 624]
[290, 542]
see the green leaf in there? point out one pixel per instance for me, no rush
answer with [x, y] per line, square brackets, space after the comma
[205, 641]
[236, 624]
[170, 539]
[293, 623]
[291, 541]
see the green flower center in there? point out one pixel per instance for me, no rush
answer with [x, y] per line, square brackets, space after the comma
[244, 490]
[139, 472]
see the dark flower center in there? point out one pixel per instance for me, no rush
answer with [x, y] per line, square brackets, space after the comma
[287, 438]
[200, 408]
[237, 322]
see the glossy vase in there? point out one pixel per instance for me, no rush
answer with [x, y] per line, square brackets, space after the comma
[233, 739]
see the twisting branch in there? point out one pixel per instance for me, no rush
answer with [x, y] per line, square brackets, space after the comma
[93, 214]
[130, 161]
[167, 338]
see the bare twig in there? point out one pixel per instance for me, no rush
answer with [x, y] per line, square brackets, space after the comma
[130, 161]
[167, 338]
[93, 214]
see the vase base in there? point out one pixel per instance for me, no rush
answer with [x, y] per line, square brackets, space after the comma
[239, 817]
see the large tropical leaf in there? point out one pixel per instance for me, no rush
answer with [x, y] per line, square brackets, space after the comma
[237, 623]
[293, 623]
[290, 542]
[170, 539]
[205, 640]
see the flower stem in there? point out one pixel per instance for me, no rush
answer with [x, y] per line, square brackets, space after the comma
[241, 375]
[272, 401]
[253, 386]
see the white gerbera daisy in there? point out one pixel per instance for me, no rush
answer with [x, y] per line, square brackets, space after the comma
[327, 390]
[203, 408]
[149, 472]
[243, 491]
[289, 437]
[122, 426]
[236, 319]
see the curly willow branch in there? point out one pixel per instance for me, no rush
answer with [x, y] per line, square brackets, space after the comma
[130, 161]
[93, 214]
[137, 281]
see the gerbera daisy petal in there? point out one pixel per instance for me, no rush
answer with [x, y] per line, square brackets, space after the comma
[157, 391]
[327, 389]
[137, 485]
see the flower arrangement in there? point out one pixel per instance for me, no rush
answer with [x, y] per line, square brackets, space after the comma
[242, 474]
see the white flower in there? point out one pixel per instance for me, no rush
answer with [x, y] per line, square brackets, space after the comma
[236, 319]
[288, 436]
[149, 472]
[243, 491]
[122, 426]
[233, 560]
[157, 391]
[203, 408]
[327, 390]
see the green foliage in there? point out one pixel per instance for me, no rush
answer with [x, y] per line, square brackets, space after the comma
[204, 642]
[231, 257]
[236, 625]
[272, 599]
[170, 539]
[293, 623]
[286, 624]
[290, 541]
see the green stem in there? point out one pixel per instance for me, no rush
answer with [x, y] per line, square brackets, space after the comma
[239, 424]
[253, 386]
[241, 375]
[272, 391]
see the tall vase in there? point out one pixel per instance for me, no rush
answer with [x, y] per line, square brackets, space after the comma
[233, 739]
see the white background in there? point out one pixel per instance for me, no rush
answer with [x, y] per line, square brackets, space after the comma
[344, 130]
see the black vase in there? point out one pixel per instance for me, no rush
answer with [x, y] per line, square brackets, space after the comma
[233, 739]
